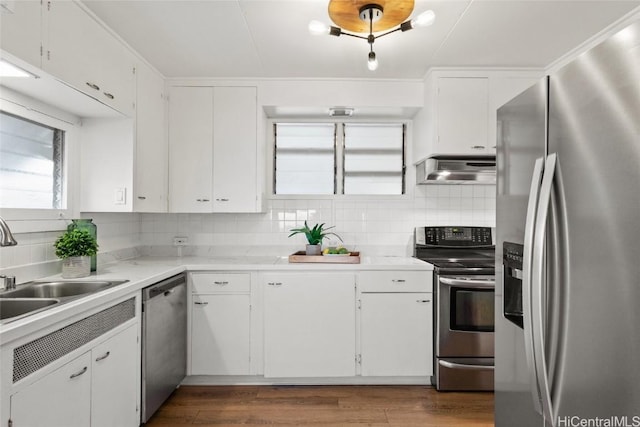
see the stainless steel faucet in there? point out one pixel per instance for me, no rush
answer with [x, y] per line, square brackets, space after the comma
[6, 238]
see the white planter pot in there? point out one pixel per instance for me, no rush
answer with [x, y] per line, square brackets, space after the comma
[76, 266]
[314, 250]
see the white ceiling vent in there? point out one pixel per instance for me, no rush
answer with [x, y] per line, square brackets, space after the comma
[340, 112]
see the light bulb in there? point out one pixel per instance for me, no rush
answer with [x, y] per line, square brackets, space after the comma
[372, 63]
[318, 28]
[425, 19]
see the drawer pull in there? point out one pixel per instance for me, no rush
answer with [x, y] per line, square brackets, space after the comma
[221, 283]
[202, 200]
[108, 95]
[93, 86]
[422, 301]
[398, 280]
[104, 356]
[222, 200]
[274, 284]
[142, 198]
[477, 147]
[77, 374]
[201, 303]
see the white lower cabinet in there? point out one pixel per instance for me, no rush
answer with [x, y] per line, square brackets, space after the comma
[309, 325]
[396, 334]
[98, 388]
[220, 334]
[220, 323]
[115, 383]
[60, 399]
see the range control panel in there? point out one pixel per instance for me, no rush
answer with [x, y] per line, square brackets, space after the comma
[454, 236]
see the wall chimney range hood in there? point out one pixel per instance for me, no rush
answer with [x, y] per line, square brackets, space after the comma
[457, 169]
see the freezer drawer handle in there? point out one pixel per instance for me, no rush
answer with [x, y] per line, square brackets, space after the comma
[452, 365]
[104, 356]
[77, 374]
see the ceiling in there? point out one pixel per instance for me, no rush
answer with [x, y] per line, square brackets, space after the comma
[269, 38]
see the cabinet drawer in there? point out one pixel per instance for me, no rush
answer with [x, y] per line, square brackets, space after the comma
[396, 281]
[213, 283]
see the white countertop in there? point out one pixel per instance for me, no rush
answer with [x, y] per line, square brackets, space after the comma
[144, 271]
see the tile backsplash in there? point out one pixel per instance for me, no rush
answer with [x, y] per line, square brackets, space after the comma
[371, 225]
[375, 226]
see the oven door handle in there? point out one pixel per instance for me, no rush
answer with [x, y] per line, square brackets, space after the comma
[452, 365]
[473, 283]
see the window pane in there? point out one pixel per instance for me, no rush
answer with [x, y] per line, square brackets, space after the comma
[30, 164]
[374, 159]
[305, 159]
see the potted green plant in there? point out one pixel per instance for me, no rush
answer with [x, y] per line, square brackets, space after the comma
[314, 236]
[75, 248]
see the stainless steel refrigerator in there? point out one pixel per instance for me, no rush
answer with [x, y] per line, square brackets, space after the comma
[567, 330]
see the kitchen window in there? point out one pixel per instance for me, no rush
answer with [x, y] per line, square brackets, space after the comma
[339, 158]
[31, 164]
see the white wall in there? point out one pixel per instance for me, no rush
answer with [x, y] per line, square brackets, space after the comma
[372, 226]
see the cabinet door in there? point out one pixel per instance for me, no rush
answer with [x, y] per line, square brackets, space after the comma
[115, 385]
[220, 335]
[61, 398]
[396, 334]
[81, 53]
[190, 149]
[152, 149]
[235, 149]
[463, 116]
[21, 31]
[309, 325]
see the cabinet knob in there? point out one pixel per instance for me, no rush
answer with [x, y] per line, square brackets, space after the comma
[77, 374]
[477, 147]
[93, 86]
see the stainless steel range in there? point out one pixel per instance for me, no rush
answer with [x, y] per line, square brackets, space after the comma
[464, 292]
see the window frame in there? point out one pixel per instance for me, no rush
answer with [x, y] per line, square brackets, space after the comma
[35, 220]
[409, 172]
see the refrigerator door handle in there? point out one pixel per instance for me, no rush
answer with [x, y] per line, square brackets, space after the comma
[537, 288]
[530, 224]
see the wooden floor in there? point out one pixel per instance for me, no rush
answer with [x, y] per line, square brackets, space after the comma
[324, 406]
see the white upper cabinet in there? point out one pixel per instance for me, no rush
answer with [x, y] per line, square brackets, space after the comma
[21, 31]
[152, 149]
[463, 116]
[213, 149]
[83, 54]
[190, 149]
[459, 114]
[234, 149]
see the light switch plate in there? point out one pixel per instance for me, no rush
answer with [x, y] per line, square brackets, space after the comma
[120, 196]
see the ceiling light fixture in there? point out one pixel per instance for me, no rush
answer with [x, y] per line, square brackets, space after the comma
[362, 16]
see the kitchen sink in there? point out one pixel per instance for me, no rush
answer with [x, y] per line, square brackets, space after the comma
[58, 289]
[18, 307]
[36, 296]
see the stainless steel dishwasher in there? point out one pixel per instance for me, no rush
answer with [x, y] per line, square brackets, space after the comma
[164, 341]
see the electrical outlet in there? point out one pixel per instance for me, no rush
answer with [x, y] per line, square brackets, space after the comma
[180, 241]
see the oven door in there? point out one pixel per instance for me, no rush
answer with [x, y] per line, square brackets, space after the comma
[465, 316]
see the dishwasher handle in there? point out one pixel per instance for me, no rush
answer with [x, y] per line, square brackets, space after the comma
[163, 288]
